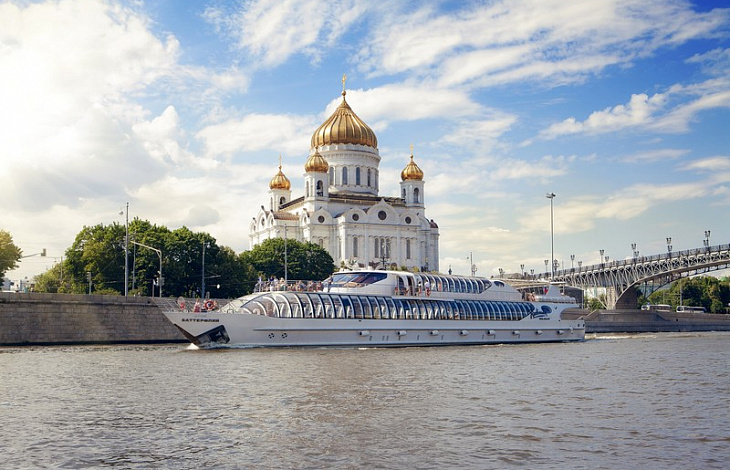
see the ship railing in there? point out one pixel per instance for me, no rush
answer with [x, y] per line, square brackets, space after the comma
[280, 285]
[193, 305]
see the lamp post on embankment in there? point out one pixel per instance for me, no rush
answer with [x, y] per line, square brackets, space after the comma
[551, 196]
[159, 253]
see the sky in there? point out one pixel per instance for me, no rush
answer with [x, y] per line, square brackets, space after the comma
[621, 108]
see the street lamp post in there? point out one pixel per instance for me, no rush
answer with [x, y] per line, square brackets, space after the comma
[551, 196]
[572, 259]
[707, 240]
[601, 251]
[286, 263]
[471, 264]
[126, 251]
[202, 274]
[669, 246]
[159, 254]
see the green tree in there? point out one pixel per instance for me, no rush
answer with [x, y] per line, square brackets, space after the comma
[97, 252]
[305, 261]
[703, 291]
[10, 254]
[50, 281]
[597, 303]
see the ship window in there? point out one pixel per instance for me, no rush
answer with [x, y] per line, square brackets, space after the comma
[336, 307]
[420, 310]
[391, 309]
[452, 309]
[480, 309]
[370, 306]
[357, 307]
[429, 310]
[347, 307]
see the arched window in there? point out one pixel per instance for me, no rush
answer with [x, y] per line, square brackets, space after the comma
[282, 200]
[416, 196]
[354, 247]
[368, 177]
[344, 175]
[320, 188]
[357, 176]
[408, 249]
[332, 176]
[404, 193]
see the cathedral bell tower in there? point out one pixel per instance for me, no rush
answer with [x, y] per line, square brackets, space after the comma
[279, 190]
[316, 185]
[412, 184]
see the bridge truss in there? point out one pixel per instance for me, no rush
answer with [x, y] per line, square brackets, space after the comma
[620, 278]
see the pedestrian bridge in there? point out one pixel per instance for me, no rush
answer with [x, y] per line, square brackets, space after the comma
[647, 273]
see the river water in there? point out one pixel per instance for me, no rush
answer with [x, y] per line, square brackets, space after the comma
[648, 401]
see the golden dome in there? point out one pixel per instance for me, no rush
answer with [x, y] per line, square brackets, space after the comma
[316, 164]
[344, 127]
[279, 181]
[411, 171]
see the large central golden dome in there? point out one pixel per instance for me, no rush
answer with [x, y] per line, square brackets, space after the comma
[344, 127]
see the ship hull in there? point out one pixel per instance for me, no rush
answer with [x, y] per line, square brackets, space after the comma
[247, 330]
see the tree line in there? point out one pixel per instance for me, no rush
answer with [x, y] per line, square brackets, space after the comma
[95, 263]
[703, 291]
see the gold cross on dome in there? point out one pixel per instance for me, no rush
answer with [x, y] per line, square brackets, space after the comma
[344, 79]
[411, 149]
[280, 161]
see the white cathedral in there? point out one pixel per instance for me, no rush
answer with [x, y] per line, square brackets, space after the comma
[341, 210]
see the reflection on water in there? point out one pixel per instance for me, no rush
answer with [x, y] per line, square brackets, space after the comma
[622, 401]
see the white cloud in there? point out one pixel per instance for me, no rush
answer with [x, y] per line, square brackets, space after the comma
[580, 214]
[278, 133]
[66, 69]
[273, 32]
[669, 112]
[511, 41]
[650, 156]
[709, 164]
[639, 111]
[715, 62]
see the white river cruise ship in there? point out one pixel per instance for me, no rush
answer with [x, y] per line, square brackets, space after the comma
[374, 308]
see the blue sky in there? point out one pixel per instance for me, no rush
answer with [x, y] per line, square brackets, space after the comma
[619, 107]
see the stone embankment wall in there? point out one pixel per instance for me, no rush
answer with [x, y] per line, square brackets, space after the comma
[47, 319]
[639, 321]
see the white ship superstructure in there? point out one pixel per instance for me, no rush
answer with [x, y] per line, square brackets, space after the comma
[373, 308]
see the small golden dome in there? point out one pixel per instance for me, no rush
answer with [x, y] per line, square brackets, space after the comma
[411, 171]
[344, 127]
[279, 181]
[316, 164]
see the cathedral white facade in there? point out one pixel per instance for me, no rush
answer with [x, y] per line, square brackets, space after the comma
[341, 210]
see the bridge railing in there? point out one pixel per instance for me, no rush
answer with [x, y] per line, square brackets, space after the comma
[707, 251]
